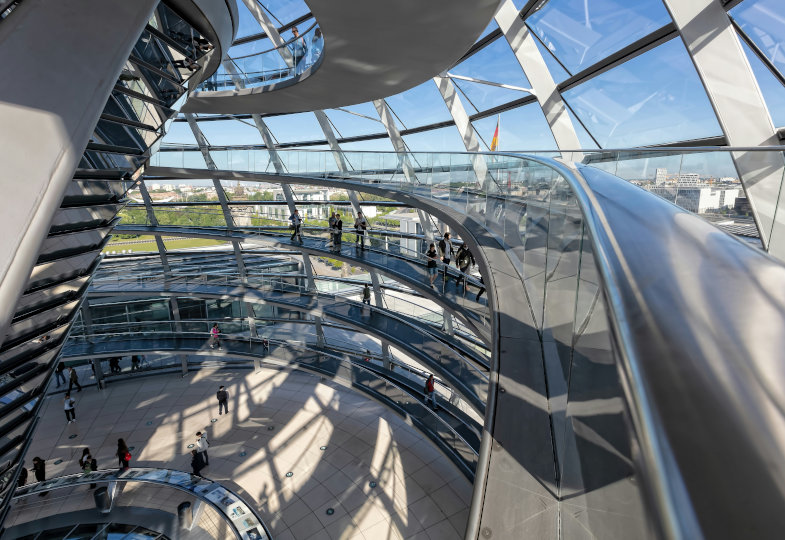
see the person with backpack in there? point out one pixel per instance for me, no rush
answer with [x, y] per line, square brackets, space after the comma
[70, 411]
[360, 226]
[223, 400]
[202, 444]
[366, 295]
[447, 251]
[464, 260]
[215, 340]
[296, 224]
[431, 256]
[123, 454]
[430, 392]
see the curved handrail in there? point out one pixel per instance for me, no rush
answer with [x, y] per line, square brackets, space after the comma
[209, 492]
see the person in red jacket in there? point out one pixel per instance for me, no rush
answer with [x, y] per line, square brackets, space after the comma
[430, 392]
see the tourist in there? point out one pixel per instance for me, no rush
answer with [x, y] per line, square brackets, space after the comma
[59, 373]
[74, 380]
[331, 229]
[196, 463]
[447, 251]
[464, 260]
[223, 396]
[123, 454]
[366, 295]
[431, 255]
[39, 468]
[299, 49]
[360, 226]
[70, 411]
[296, 224]
[430, 392]
[338, 230]
[201, 446]
[215, 340]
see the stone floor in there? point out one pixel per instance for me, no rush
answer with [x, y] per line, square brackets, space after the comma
[279, 420]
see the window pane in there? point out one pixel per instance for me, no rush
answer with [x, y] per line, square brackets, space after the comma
[420, 106]
[581, 32]
[654, 98]
[764, 22]
[523, 128]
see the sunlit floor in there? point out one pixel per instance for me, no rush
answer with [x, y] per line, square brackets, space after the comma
[279, 419]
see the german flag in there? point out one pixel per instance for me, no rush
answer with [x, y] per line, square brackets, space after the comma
[495, 140]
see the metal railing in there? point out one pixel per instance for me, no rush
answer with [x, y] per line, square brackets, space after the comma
[272, 66]
[215, 510]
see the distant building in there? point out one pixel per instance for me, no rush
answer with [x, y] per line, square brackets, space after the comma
[742, 206]
[660, 176]
[689, 179]
[698, 199]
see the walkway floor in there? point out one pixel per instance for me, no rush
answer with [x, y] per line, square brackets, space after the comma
[280, 419]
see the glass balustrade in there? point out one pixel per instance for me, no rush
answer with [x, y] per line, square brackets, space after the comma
[292, 59]
[221, 513]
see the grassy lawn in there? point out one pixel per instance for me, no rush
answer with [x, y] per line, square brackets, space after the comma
[149, 244]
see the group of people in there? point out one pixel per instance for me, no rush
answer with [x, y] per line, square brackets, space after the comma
[464, 260]
[334, 230]
[39, 470]
[87, 463]
[73, 378]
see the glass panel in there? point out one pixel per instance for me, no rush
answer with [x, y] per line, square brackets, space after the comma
[420, 106]
[656, 97]
[763, 22]
[494, 62]
[772, 89]
[348, 124]
[580, 33]
[513, 136]
[444, 139]
[295, 127]
[485, 96]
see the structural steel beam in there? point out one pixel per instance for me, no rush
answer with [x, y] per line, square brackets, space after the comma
[524, 46]
[385, 115]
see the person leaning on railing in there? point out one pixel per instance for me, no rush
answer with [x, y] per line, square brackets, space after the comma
[299, 49]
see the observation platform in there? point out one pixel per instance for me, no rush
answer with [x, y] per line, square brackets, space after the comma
[397, 46]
